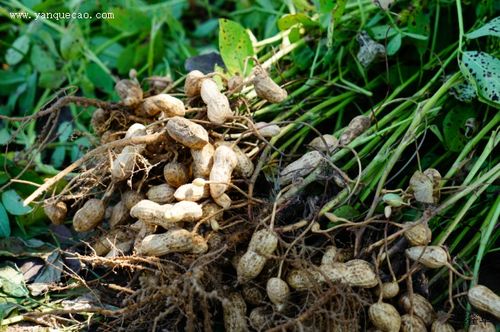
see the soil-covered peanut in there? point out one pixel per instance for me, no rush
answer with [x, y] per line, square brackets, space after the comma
[119, 214]
[249, 266]
[131, 198]
[432, 257]
[234, 309]
[235, 84]
[245, 166]
[223, 201]
[334, 272]
[187, 133]
[385, 317]
[162, 193]
[278, 291]
[103, 244]
[135, 130]
[192, 84]
[99, 121]
[163, 103]
[438, 326]
[175, 240]
[214, 213]
[218, 109]
[304, 279]
[129, 91]
[89, 215]
[225, 161]
[301, 167]
[202, 161]
[56, 211]
[263, 242]
[176, 174]
[268, 130]
[252, 295]
[266, 88]
[325, 143]
[124, 164]
[356, 127]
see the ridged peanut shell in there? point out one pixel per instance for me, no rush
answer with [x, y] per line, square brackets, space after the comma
[129, 91]
[412, 324]
[360, 273]
[89, 215]
[223, 201]
[124, 164]
[356, 127]
[334, 272]
[192, 192]
[183, 211]
[148, 211]
[218, 109]
[187, 133]
[252, 295]
[418, 235]
[268, 130]
[483, 326]
[330, 255]
[163, 103]
[225, 161]
[385, 317]
[389, 289]
[304, 279]
[421, 307]
[432, 256]
[202, 161]
[131, 198]
[484, 299]
[176, 240]
[266, 88]
[438, 326]
[259, 318]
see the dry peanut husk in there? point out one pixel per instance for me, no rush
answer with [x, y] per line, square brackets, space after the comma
[356, 127]
[325, 143]
[175, 240]
[129, 91]
[192, 84]
[119, 214]
[250, 266]
[163, 193]
[418, 235]
[263, 242]
[278, 292]
[268, 130]
[412, 324]
[360, 273]
[56, 211]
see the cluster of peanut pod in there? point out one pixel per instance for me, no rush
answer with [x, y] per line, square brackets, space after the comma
[199, 157]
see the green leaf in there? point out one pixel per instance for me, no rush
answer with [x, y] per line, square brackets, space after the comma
[235, 47]
[346, 212]
[100, 78]
[70, 44]
[483, 72]
[289, 20]
[454, 127]
[394, 44]
[14, 203]
[4, 222]
[41, 59]
[492, 28]
[325, 6]
[4, 136]
[415, 36]
[125, 60]
[129, 21]
[57, 158]
[18, 50]
[64, 131]
[52, 79]
[206, 28]
[12, 282]
[382, 32]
